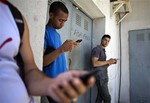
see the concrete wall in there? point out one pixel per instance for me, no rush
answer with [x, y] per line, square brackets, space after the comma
[138, 19]
[35, 13]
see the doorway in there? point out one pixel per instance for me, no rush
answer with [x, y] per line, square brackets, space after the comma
[139, 65]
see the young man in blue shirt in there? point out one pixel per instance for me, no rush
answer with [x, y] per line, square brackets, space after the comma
[54, 62]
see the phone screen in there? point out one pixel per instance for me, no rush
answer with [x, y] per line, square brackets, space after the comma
[79, 40]
[86, 76]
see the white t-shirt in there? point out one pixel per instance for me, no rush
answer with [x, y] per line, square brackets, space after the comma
[12, 88]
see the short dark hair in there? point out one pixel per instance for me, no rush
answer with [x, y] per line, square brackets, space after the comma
[57, 6]
[106, 36]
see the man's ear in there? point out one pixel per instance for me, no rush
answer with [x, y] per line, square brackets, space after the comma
[51, 15]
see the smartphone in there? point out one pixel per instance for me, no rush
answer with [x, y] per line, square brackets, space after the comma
[79, 40]
[85, 77]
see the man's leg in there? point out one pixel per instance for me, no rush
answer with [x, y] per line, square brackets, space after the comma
[105, 92]
[99, 91]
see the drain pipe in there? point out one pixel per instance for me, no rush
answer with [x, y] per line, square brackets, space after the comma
[119, 92]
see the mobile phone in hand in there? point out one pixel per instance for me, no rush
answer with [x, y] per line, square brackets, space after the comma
[79, 40]
[86, 76]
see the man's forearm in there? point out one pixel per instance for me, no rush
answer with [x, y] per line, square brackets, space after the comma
[49, 58]
[36, 82]
[100, 63]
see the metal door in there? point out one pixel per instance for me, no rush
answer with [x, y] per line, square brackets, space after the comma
[80, 56]
[139, 65]
[81, 29]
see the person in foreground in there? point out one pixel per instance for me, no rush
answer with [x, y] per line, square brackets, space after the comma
[17, 89]
[99, 62]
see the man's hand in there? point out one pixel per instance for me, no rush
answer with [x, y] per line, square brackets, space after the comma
[112, 61]
[67, 86]
[68, 45]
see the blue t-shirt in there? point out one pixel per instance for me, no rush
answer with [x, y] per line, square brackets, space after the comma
[52, 41]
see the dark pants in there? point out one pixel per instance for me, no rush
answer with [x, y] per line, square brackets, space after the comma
[103, 92]
[50, 100]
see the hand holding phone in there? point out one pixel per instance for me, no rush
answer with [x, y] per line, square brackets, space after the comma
[86, 76]
[79, 40]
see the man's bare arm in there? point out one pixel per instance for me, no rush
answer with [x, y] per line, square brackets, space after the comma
[33, 76]
[96, 62]
[68, 45]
